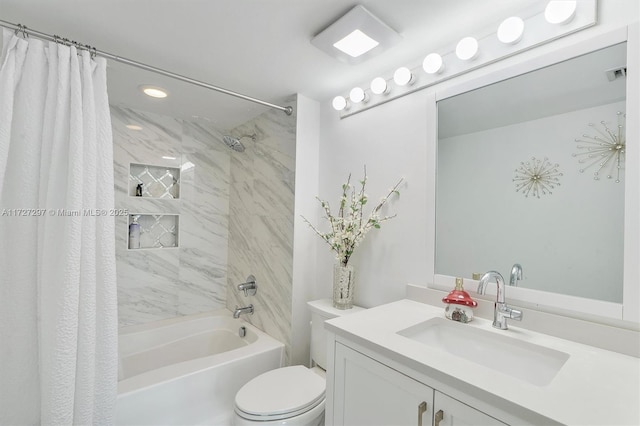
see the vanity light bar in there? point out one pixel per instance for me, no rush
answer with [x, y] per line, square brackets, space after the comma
[532, 27]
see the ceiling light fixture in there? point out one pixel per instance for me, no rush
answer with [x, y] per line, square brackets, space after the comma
[357, 95]
[467, 49]
[560, 11]
[403, 76]
[507, 40]
[510, 30]
[379, 86]
[339, 103]
[356, 36]
[133, 127]
[154, 91]
[355, 44]
[433, 64]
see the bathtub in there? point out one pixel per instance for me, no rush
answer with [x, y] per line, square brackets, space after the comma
[186, 371]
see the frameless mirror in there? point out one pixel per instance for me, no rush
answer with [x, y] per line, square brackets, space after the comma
[530, 170]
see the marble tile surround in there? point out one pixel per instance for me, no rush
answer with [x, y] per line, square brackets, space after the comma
[156, 284]
[261, 216]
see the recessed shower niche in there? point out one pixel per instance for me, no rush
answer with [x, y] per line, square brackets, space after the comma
[153, 230]
[154, 181]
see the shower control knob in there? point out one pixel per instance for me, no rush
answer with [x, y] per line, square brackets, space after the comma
[250, 287]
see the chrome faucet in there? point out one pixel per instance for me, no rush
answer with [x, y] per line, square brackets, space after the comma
[249, 287]
[500, 310]
[245, 310]
[516, 274]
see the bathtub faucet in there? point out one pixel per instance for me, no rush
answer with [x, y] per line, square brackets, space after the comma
[245, 310]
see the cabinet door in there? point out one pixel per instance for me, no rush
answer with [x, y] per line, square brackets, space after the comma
[370, 393]
[451, 412]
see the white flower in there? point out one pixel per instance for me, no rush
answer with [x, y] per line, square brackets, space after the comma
[349, 226]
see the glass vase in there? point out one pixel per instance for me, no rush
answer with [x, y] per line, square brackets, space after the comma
[343, 282]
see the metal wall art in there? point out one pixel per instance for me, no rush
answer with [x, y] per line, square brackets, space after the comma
[605, 151]
[537, 177]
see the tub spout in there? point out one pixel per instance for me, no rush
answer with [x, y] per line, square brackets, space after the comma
[245, 310]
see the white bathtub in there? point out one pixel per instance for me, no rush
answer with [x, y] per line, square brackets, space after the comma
[186, 371]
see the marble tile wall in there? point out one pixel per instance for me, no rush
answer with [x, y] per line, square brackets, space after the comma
[162, 283]
[261, 216]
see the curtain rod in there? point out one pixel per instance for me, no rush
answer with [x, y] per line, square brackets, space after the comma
[28, 31]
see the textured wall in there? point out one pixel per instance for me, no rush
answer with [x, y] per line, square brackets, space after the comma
[261, 206]
[155, 284]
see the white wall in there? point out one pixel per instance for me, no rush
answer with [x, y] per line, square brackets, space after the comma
[304, 242]
[391, 140]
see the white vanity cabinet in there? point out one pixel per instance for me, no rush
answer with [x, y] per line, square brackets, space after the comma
[367, 392]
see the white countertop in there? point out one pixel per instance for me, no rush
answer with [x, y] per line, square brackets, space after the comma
[594, 387]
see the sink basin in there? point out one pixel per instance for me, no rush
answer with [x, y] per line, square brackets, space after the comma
[526, 361]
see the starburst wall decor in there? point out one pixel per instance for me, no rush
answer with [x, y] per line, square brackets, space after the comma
[604, 151]
[537, 177]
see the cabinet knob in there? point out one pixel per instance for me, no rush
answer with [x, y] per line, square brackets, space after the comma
[438, 417]
[422, 408]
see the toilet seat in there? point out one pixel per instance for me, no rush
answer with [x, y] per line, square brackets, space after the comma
[280, 394]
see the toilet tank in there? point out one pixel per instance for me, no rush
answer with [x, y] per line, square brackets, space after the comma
[321, 311]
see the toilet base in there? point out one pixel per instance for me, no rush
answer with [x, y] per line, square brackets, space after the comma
[313, 417]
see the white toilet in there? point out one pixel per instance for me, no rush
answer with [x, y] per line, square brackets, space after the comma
[293, 396]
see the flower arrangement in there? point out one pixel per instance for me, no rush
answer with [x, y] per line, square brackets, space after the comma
[349, 226]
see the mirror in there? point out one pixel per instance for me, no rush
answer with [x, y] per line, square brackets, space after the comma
[509, 186]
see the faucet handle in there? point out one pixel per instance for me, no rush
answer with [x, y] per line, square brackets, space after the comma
[515, 314]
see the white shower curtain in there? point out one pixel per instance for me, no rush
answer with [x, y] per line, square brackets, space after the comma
[58, 308]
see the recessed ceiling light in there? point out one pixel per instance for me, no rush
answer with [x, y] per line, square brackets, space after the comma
[467, 48]
[510, 30]
[560, 11]
[133, 127]
[356, 36]
[154, 91]
[355, 44]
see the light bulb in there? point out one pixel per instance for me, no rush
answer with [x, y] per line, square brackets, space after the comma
[356, 95]
[433, 64]
[467, 49]
[379, 86]
[403, 76]
[560, 11]
[339, 103]
[510, 30]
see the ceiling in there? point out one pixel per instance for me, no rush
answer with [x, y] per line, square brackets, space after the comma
[571, 85]
[260, 48]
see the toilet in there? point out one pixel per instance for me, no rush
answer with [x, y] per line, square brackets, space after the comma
[293, 396]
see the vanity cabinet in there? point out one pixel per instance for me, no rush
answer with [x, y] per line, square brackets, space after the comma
[368, 392]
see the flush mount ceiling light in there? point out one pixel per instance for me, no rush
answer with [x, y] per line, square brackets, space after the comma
[467, 49]
[154, 91]
[510, 30]
[356, 36]
[355, 44]
[560, 11]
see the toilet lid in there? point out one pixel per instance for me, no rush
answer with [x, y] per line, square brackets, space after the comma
[281, 393]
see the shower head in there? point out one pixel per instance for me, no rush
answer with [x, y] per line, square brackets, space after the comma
[234, 143]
